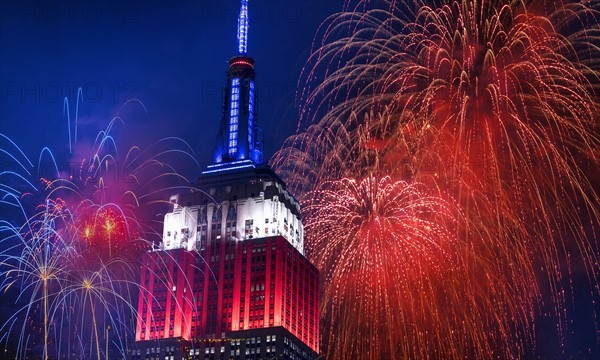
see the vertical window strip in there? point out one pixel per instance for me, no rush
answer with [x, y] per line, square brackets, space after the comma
[251, 117]
[234, 110]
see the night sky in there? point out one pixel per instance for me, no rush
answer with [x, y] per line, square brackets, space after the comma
[171, 55]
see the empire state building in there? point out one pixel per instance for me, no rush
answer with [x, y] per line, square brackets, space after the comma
[230, 280]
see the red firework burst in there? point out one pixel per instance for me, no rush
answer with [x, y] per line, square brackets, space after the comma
[493, 103]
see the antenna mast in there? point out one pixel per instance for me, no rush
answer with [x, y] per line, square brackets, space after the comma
[242, 31]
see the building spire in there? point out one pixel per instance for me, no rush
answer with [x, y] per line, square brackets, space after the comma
[239, 144]
[242, 31]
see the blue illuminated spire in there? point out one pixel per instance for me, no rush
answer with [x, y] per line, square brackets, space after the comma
[242, 32]
[239, 144]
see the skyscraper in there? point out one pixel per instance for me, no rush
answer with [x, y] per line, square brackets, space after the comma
[229, 280]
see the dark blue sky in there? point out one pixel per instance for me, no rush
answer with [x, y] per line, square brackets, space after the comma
[172, 55]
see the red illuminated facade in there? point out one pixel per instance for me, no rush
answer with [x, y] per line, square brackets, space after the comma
[223, 291]
[259, 283]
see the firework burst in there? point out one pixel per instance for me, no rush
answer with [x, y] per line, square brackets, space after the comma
[381, 245]
[491, 103]
[71, 266]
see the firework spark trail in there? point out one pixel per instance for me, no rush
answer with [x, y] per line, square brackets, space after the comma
[35, 268]
[394, 252]
[382, 244]
[57, 278]
[74, 262]
[492, 103]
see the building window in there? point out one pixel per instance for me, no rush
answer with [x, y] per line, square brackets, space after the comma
[248, 227]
